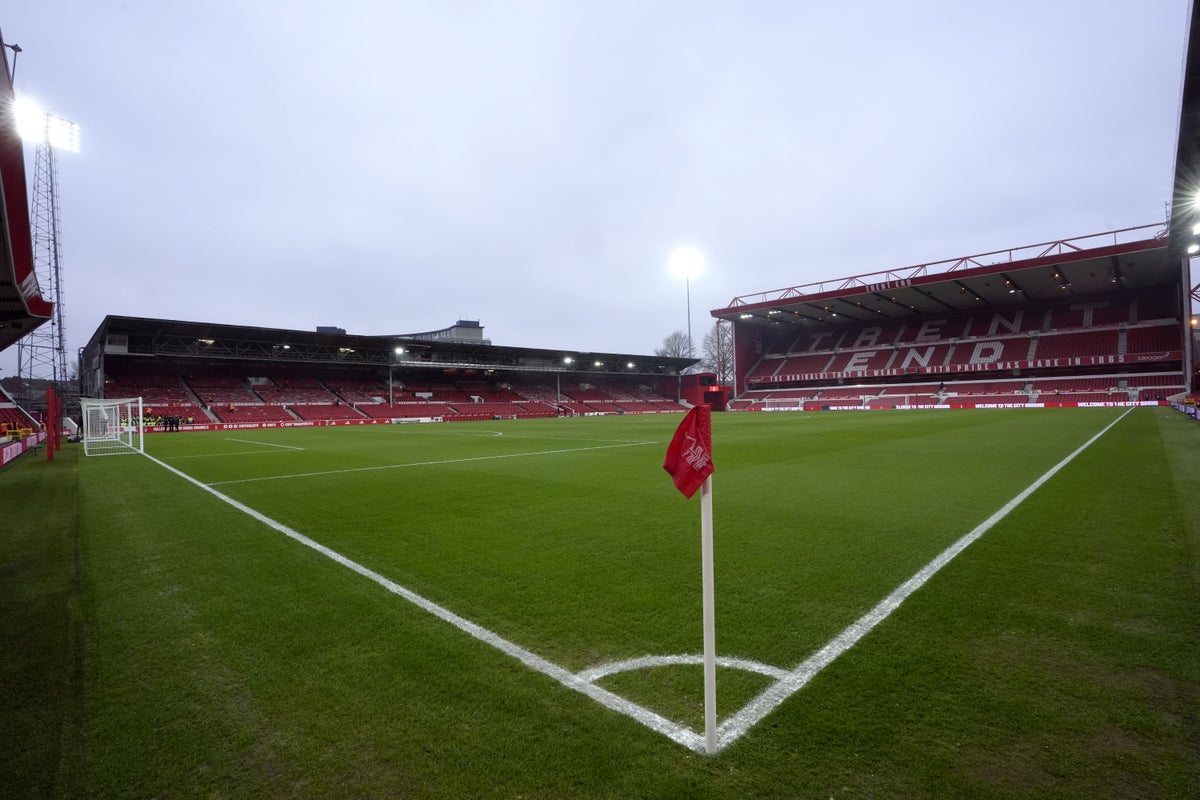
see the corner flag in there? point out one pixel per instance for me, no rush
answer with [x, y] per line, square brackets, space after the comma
[689, 462]
[689, 456]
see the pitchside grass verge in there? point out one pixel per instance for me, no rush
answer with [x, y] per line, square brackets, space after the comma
[199, 653]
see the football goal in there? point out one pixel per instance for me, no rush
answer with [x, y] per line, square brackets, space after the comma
[111, 427]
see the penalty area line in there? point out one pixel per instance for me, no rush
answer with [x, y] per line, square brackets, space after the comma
[753, 712]
[652, 720]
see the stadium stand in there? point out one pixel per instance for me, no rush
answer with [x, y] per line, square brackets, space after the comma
[984, 351]
[489, 393]
[262, 412]
[1071, 345]
[1013, 399]
[162, 396]
[376, 410]
[1153, 338]
[360, 391]
[327, 411]
[15, 420]
[1065, 349]
[222, 390]
[925, 394]
[291, 395]
[420, 410]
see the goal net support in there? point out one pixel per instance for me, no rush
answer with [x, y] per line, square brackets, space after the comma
[112, 427]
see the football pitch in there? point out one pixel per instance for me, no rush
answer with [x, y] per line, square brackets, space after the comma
[987, 603]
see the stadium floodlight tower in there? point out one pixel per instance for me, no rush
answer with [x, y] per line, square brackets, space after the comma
[43, 352]
[687, 263]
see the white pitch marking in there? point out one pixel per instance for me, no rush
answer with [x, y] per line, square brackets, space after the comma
[740, 722]
[646, 662]
[429, 463]
[264, 444]
[736, 725]
[652, 720]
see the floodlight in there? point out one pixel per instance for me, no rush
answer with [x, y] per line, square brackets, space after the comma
[62, 134]
[686, 262]
[30, 119]
[39, 127]
[1193, 248]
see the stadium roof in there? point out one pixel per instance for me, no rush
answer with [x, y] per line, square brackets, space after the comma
[179, 339]
[1089, 266]
[22, 308]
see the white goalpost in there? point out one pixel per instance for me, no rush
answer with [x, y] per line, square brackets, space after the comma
[111, 427]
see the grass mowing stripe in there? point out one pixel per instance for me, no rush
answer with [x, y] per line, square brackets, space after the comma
[737, 725]
[645, 716]
[428, 463]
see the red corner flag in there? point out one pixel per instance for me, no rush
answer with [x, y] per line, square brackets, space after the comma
[689, 456]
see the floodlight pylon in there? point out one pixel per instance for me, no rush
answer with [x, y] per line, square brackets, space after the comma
[43, 352]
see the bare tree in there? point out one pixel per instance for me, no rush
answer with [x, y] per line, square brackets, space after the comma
[676, 345]
[718, 352]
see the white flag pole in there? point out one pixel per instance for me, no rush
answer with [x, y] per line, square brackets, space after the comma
[710, 635]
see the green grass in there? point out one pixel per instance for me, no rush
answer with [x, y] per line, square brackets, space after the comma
[166, 644]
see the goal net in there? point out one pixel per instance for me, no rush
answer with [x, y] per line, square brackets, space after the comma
[111, 427]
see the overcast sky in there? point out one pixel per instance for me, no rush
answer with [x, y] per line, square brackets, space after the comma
[390, 167]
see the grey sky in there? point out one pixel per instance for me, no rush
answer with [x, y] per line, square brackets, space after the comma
[393, 166]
